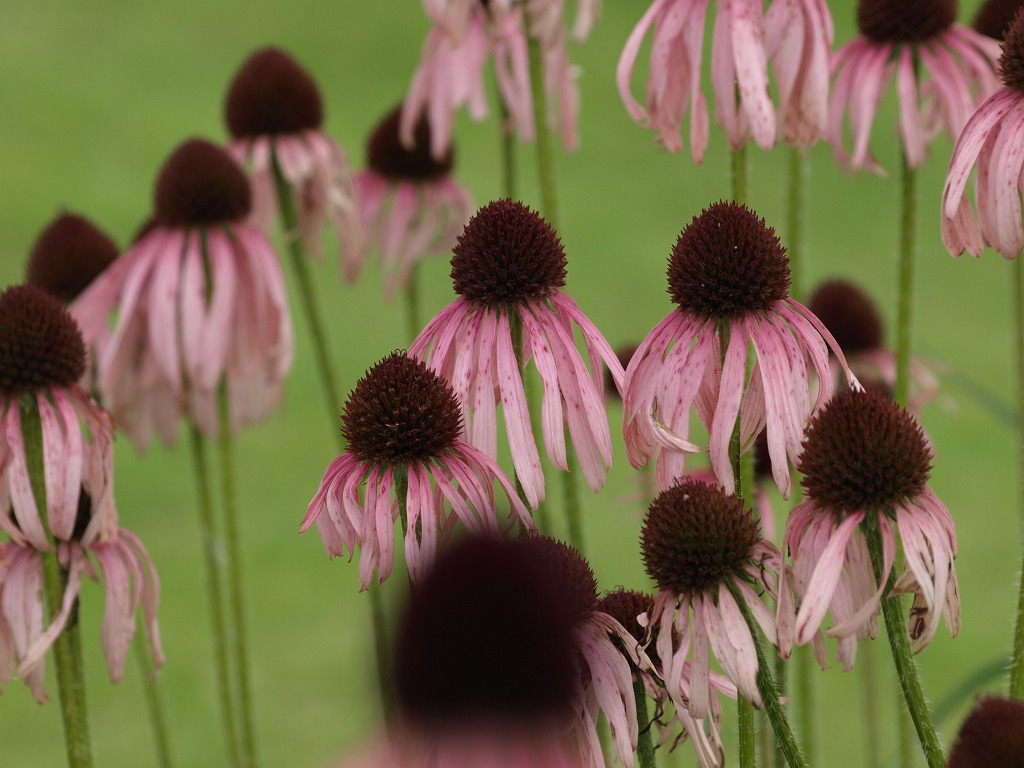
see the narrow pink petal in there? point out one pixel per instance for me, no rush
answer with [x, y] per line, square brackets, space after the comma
[552, 417]
[700, 686]
[910, 120]
[217, 336]
[730, 394]
[733, 644]
[517, 417]
[752, 70]
[162, 315]
[485, 420]
[1008, 159]
[823, 580]
[22, 500]
[36, 652]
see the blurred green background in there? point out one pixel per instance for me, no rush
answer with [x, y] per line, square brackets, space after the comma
[93, 96]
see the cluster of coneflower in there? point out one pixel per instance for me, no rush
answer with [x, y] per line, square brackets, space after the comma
[508, 654]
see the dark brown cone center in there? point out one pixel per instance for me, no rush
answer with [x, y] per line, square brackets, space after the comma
[40, 344]
[904, 21]
[849, 314]
[386, 154]
[201, 185]
[272, 94]
[1011, 62]
[69, 254]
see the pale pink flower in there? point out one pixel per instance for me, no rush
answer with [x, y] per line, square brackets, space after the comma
[274, 113]
[199, 297]
[992, 140]
[795, 35]
[705, 552]
[854, 321]
[863, 456]
[508, 269]
[957, 71]
[729, 276]
[410, 205]
[402, 424]
[43, 408]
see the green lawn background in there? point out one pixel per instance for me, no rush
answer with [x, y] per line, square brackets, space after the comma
[94, 95]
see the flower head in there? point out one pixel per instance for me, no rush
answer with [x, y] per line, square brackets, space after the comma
[68, 255]
[863, 455]
[992, 734]
[957, 71]
[729, 277]
[409, 204]
[704, 551]
[991, 141]
[274, 112]
[403, 426]
[508, 268]
[795, 36]
[199, 298]
[994, 17]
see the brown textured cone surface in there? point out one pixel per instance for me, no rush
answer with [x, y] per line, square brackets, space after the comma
[904, 20]
[507, 253]
[991, 736]
[694, 536]
[567, 572]
[727, 263]
[849, 314]
[624, 605]
[200, 185]
[1011, 63]
[69, 254]
[272, 94]
[485, 636]
[400, 411]
[386, 154]
[994, 17]
[40, 344]
[862, 451]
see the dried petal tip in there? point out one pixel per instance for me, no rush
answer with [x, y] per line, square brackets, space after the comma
[625, 605]
[399, 412]
[862, 451]
[201, 185]
[727, 263]
[1011, 62]
[484, 637]
[386, 154]
[568, 574]
[994, 17]
[69, 254]
[992, 735]
[849, 314]
[904, 21]
[695, 535]
[40, 345]
[507, 253]
[272, 94]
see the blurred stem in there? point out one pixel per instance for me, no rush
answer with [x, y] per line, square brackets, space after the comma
[906, 670]
[799, 180]
[1017, 665]
[745, 720]
[545, 158]
[644, 745]
[412, 303]
[154, 702]
[310, 303]
[769, 691]
[871, 706]
[508, 152]
[908, 248]
[803, 671]
[67, 648]
[213, 560]
[236, 580]
[739, 175]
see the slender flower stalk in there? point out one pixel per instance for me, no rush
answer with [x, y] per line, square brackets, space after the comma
[908, 255]
[154, 703]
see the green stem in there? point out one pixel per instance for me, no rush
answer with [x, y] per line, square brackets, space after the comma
[545, 158]
[570, 489]
[796, 216]
[905, 732]
[154, 703]
[745, 721]
[644, 745]
[1017, 664]
[310, 303]
[739, 175]
[803, 671]
[908, 247]
[214, 562]
[906, 670]
[67, 648]
[769, 691]
[871, 706]
[508, 153]
[236, 581]
[412, 303]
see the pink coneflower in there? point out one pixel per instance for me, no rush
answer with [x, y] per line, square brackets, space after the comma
[991, 735]
[198, 298]
[508, 268]
[863, 456]
[402, 424]
[68, 255]
[604, 681]
[957, 70]
[705, 552]
[796, 35]
[729, 275]
[274, 113]
[853, 319]
[410, 205]
[484, 667]
[991, 140]
[42, 408]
